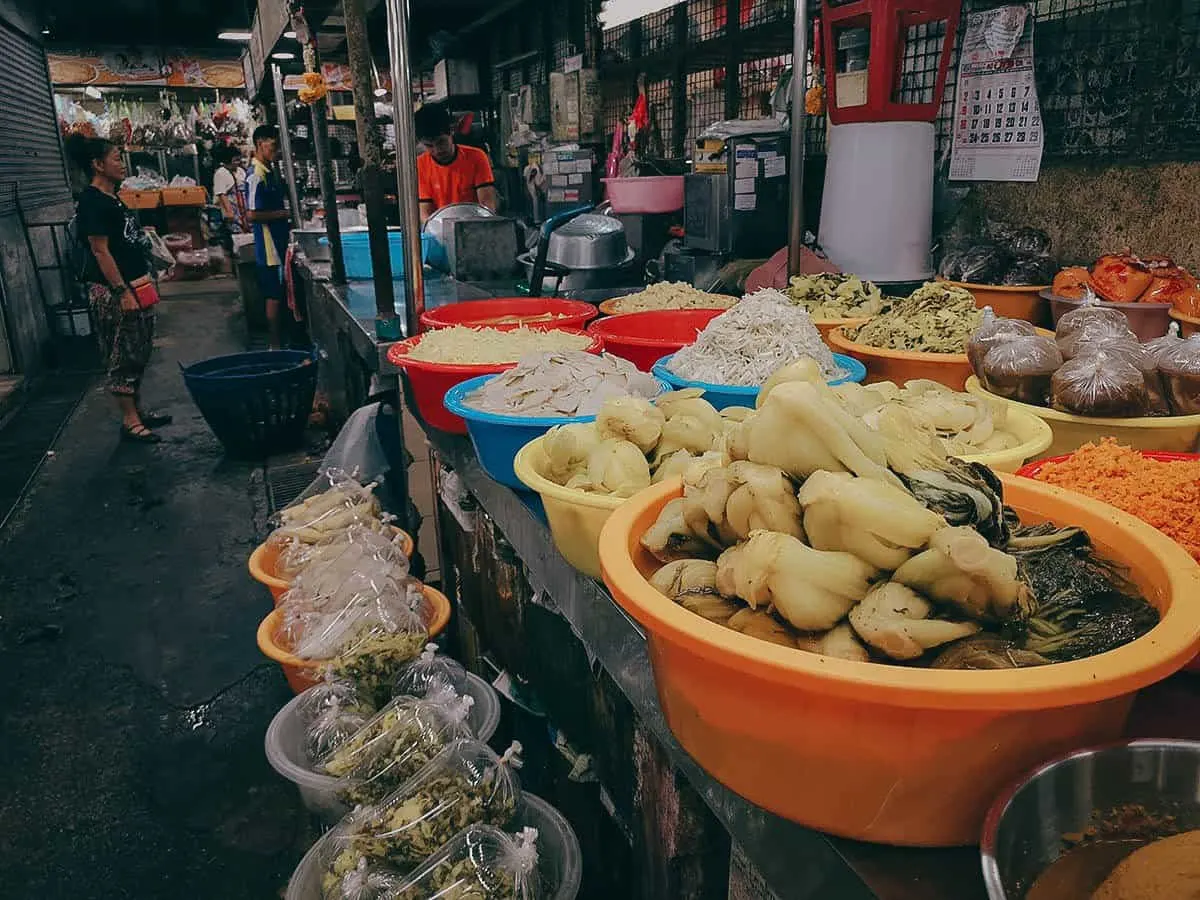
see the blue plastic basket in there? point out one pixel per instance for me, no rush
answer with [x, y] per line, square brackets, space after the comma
[497, 438]
[723, 395]
[356, 253]
[256, 403]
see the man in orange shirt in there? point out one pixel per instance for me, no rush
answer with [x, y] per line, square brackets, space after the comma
[448, 173]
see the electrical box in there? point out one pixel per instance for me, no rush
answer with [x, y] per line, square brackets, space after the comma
[454, 78]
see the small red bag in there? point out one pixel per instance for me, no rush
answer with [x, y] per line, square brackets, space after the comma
[145, 292]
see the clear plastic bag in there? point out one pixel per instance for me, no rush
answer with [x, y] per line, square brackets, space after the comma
[325, 566]
[1146, 363]
[480, 863]
[466, 784]
[1090, 314]
[1180, 368]
[1100, 384]
[993, 330]
[401, 739]
[1169, 341]
[332, 503]
[430, 671]
[1021, 368]
[362, 881]
[1092, 336]
[332, 712]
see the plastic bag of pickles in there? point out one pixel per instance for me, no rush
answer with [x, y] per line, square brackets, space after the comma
[335, 558]
[332, 712]
[331, 504]
[429, 671]
[399, 740]
[480, 863]
[367, 630]
[465, 784]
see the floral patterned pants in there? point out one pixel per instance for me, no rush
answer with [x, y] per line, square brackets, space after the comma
[126, 339]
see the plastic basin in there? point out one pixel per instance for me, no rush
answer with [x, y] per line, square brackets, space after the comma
[650, 195]
[1034, 435]
[266, 555]
[285, 748]
[511, 311]
[497, 438]
[575, 517]
[1010, 301]
[1146, 320]
[725, 395]
[1188, 325]
[1177, 434]
[612, 306]
[827, 325]
[643, 338]
[892, 754]
[560, 862]
[950, 369]
[431, 380]
[356, 252]
[301, 674]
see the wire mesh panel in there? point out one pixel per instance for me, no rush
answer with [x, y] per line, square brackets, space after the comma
[661, 97]
[706, 103]
[757, 79]
[616, 43]
[617, 99]
[765, 12]
[704, 22]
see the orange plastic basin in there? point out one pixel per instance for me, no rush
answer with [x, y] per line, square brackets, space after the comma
[1010, 301]
[1188, 325]
[827, 325]
[893, 754]
[950, 369]
[301, 674]
[266, 556]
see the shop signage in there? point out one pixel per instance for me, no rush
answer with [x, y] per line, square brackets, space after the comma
[115, 68]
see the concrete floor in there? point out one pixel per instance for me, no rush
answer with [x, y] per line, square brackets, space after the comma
[134, 700]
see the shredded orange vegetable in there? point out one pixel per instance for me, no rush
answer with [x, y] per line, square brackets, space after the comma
[1164, 494]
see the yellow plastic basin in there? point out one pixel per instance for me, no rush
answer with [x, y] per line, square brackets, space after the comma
[575, 516]
[1034, 435]
[894, 754]
[1172, 433]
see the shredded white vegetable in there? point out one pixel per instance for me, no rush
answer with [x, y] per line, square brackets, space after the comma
[672, 295]
[462, 345]
[568, 383]
[747, 344]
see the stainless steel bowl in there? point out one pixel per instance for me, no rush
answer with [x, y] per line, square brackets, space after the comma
[1023, 832]
[589, 241]
[441, 224]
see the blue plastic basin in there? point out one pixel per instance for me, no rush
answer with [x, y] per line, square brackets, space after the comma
[356, 253]
[723, 395]
[497, 438]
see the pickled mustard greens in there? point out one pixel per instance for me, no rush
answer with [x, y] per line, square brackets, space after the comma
[890, 552]
[935, 318]
[832, 296]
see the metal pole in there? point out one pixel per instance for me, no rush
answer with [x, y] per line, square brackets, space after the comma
[333, 231]
[799, 80]
[285, 144]
[406, 161]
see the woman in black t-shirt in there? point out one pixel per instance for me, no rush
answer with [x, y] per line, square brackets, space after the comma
[115, 256]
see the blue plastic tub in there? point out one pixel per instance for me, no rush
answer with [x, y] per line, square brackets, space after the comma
[497, 438]
[723, 395]
[356, 252]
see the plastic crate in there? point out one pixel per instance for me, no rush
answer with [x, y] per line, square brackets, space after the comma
[142, 199]
[256, 403]
[184, 196]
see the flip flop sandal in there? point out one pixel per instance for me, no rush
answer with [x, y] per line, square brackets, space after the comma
[139, 434]
[156, 419]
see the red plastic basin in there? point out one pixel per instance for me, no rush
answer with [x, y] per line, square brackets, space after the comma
[431, 380]
[643, 338]
[548, 311]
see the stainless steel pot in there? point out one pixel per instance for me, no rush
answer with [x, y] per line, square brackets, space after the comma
[310, 243]
[1023, 832]
[558, 279]
[441, 224]
[588, 241]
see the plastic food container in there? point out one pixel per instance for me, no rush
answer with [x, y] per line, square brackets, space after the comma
[650, 195]
[724, 395]
[643, 338]
[1034, 434]
[356, 252]
[950, 369]
[285, 748]
[497, 438]
[1177, 434]
[266, 555]
[560, 862]
[512, 311]
[1188, 325]
[301, 674]
[1146, 320]
[1016, 301]
[827, 325]
[431, 380]
[884, 753]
